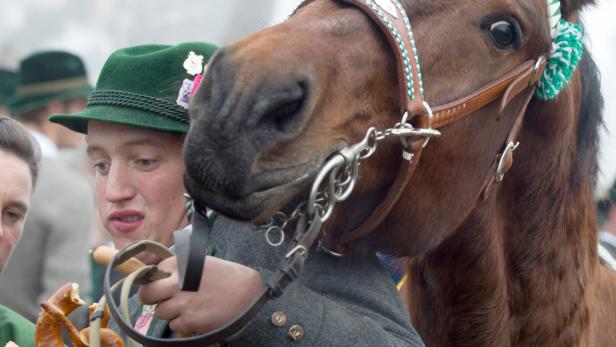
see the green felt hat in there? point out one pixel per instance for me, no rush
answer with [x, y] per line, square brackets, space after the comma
[145, 86]
[8, 84]
[49, 76]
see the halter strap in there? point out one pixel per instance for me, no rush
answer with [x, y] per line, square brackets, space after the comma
[391, 18]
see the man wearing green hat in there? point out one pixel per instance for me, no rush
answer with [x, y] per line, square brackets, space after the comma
[50, 82]
[8, 84]
[135, 122]
[54, 247]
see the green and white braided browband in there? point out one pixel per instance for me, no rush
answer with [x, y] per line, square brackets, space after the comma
[405, 54]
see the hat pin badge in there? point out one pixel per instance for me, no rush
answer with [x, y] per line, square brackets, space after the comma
[194, 67]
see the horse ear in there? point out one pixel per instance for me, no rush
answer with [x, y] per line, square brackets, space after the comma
[571, 7]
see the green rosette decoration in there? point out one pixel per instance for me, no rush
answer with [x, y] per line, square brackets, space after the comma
[566, 52]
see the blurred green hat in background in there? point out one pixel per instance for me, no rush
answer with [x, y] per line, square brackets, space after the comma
[49, 76]
[8, 84]
[145, 86]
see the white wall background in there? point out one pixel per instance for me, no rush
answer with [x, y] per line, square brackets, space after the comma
[95, 28]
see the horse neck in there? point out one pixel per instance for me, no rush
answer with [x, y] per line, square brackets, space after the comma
[517, 270]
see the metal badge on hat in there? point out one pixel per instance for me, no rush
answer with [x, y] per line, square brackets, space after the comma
[194, 67]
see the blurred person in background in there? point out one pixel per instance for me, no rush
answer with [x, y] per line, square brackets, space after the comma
[19, 160]
[54, 249]
[607, 233]
[8, 84]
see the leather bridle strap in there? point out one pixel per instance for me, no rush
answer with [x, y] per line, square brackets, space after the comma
[388, 13]
[506, 88]
[288, 270]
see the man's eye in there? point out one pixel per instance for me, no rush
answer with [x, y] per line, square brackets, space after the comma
[146, 163]
[13, 216]
[101, 168]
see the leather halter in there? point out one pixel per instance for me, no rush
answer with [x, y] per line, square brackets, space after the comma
[392, 19]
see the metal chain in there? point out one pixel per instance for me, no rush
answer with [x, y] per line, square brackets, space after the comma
[337, 178]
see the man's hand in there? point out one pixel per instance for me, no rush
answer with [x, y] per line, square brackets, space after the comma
[226, 290]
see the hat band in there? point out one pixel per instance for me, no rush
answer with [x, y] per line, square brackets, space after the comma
[142, 102]
[52, 86]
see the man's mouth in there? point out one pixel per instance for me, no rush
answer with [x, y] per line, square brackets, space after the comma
[126, 221]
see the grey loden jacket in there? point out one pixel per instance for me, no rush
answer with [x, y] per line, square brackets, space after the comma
[335, 301]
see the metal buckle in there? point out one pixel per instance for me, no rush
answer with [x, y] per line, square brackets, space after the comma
[298, 249]
[500, 170]
[404, 130]
[533, 76]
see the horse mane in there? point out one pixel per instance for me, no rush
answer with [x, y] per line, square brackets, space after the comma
[591, 117]
[569, 8]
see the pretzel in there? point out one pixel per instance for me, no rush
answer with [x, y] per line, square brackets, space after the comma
[48, 331]
[53, 317]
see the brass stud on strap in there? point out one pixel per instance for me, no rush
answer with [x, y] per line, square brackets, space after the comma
[296, 333]
[279, 319]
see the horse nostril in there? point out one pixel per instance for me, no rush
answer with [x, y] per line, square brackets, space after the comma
[282, 115]
[282, 111]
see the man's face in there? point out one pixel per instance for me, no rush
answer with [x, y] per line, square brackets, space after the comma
[15, 191]
[139, 187]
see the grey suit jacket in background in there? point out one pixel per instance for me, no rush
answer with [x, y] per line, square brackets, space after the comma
[337, 301]
[53, 249]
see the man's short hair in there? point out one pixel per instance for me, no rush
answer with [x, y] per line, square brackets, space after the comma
[15, 139]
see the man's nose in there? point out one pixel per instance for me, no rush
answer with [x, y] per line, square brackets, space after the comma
[120, 185]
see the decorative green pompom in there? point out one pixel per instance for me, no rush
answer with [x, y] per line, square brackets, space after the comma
[566, 52]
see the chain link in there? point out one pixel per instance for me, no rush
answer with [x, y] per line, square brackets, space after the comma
[338, 177]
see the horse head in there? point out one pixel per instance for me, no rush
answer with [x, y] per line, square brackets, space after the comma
[277, 104]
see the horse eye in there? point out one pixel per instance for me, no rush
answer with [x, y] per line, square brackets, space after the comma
[503, 34]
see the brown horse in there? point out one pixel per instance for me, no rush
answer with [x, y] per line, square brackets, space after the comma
[517, 268]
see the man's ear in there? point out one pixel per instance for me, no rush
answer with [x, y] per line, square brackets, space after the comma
[570, 8]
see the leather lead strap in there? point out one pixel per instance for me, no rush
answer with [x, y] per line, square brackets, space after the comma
[191, 250]
[289, 269]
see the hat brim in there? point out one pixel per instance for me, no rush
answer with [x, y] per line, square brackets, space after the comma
[118, 115]
[19, 104]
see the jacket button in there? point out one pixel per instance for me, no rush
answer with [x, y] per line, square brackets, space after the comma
[279, 319]
[296, 333]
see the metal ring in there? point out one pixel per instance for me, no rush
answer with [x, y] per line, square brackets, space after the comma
[268, 237]
[335, 161]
